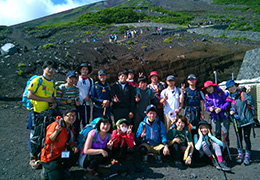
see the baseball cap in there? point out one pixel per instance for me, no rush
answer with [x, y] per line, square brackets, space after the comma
[120, 121]
[102, 72]
[151, 107]
[191, 77]
[70, 74]
[170, 78]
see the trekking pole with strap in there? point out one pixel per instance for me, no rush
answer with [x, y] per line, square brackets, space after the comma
[224, 137]
[104, 112]
[236, 129]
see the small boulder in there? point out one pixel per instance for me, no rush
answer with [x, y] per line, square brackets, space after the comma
[8, 49]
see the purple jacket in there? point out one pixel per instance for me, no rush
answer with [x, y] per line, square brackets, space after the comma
[217, 99]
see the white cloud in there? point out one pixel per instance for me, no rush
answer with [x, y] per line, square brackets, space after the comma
[18, 11]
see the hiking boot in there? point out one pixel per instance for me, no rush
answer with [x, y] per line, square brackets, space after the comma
[44, 175]
[215, 163]
[178, 164]
[247, 160]
[145, 159]
[240, 158]
[159, 159]
[67, 175]
[224, 167]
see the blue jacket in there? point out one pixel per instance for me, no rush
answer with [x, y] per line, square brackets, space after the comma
[217, 99]
[241, 109]
[155, 132]
[99, 93]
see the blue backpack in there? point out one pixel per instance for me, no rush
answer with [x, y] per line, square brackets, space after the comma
[27, 102]
[83, 134]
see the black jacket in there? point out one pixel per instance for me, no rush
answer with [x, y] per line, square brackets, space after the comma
[126, 96]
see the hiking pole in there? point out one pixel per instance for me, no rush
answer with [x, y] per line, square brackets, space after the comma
[225, 176]
[226, 145]
[237, 133]
[104, 112]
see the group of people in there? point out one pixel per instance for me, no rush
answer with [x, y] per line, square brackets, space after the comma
[156, 119]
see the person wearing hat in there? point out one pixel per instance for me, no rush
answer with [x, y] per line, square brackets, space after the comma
[170, 97]
[101, 95]
[216, 103]
[130, 78]
[152, 134]
[123, 139]
[244, 118]
[68, 97]
[143, 97]
[122, 98]
[193, 99]
[205, 142]
[84, 84]
[157, 86]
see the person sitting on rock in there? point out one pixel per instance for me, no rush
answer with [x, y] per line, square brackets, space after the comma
[152, 134]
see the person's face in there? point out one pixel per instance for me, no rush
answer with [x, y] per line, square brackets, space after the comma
[204, 129]
[84, 71]
[170, 83]
[104, 127]
[123, 125]
[71, 80]
[192, 82]
[232, 89]
[122, 78]
[154, 79]
[210, 89]
[180, 124]
[48, 71]
[131, 76]
[102, 78]
[70, 118]
[151, 115]
[142, 85]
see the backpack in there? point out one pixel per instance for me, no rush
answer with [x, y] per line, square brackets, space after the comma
[44, 119]
[251, 107]
[27, 102]
[83, 134]
[197, 96]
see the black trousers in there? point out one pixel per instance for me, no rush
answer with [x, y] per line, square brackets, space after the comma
[55, 168]
[93, 161]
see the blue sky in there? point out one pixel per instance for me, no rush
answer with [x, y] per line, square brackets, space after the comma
[18, 11]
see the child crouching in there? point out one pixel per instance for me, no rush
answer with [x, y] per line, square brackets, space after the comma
[206, 141]
[123, 139]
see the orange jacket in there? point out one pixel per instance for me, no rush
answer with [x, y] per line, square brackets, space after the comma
[53, 149]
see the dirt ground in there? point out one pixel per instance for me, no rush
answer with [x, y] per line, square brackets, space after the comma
[15, 157]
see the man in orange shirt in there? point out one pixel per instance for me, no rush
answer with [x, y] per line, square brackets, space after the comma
[59, 152]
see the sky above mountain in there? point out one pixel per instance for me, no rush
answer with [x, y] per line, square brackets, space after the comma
[18, 11]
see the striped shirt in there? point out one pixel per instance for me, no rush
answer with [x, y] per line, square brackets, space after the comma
[63, 94]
